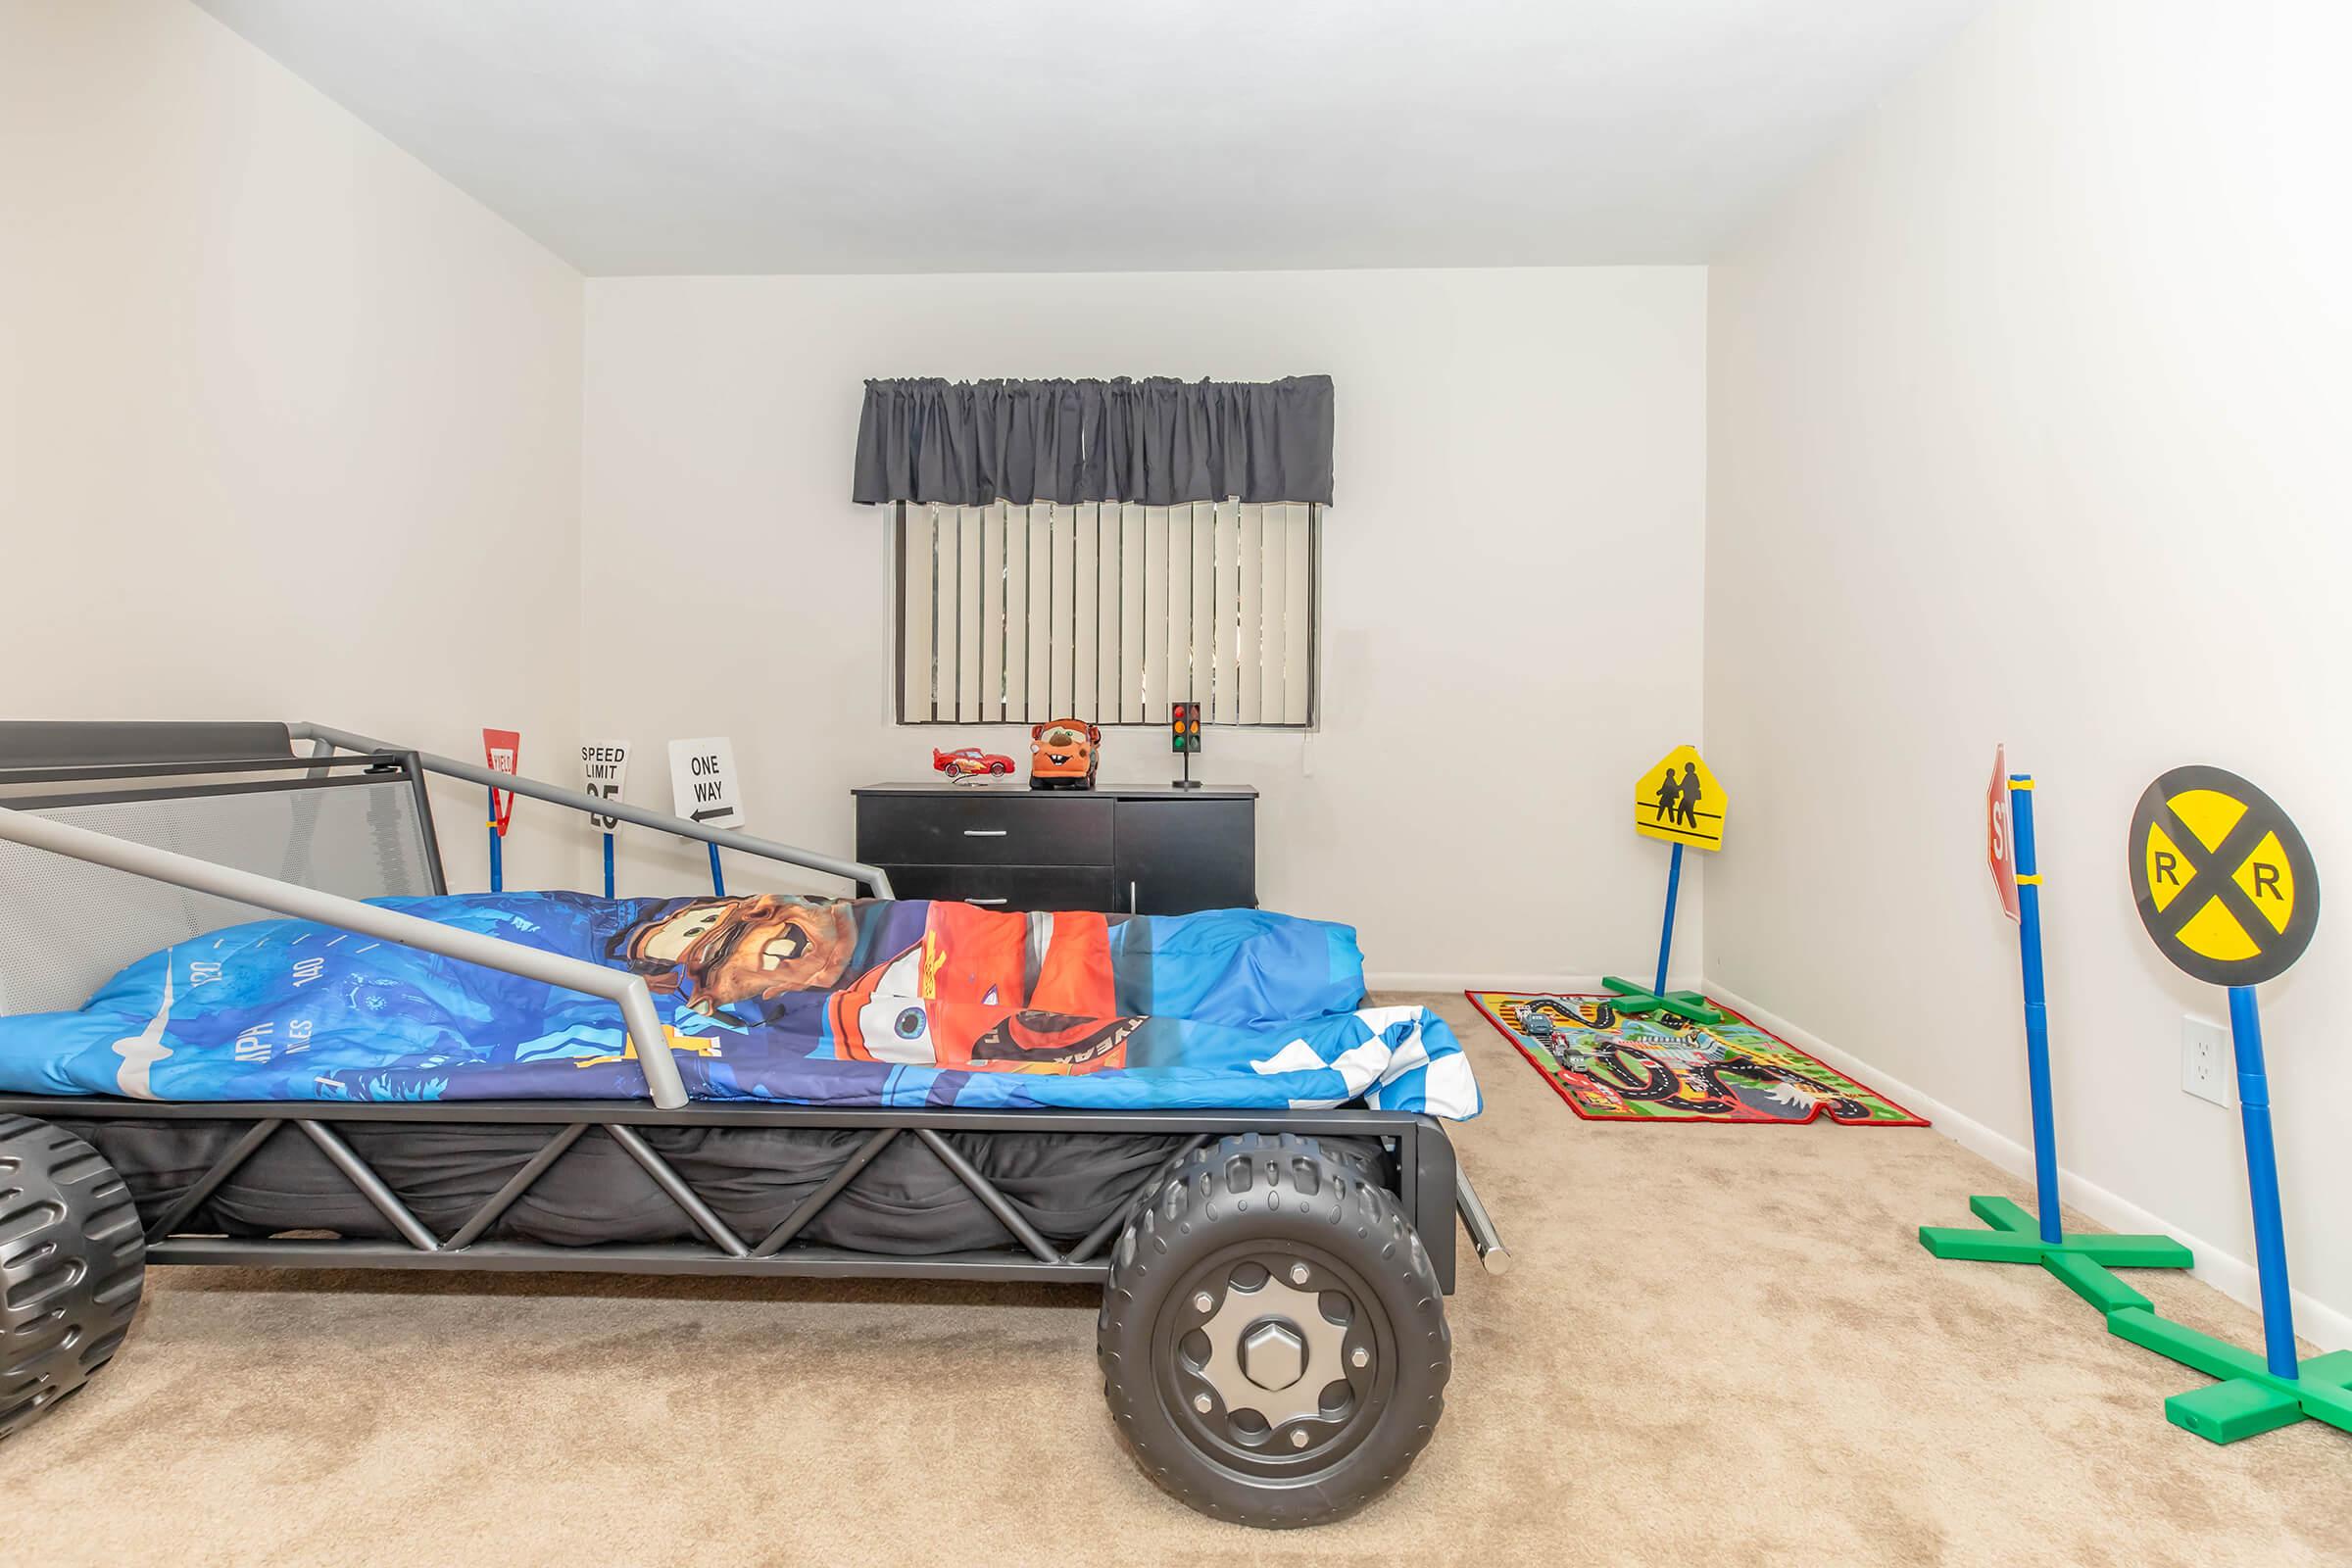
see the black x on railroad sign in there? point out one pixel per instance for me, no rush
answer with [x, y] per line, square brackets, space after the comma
[2223, 880]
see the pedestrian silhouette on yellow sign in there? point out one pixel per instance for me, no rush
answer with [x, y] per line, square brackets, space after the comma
[1680, 801]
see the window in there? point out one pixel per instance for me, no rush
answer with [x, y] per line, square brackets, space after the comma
[1106, 613]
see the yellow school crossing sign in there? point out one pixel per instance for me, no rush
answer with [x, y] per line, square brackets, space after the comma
[2223, 881]
[1679, 801]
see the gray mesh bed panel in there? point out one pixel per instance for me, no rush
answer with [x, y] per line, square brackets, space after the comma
[67, 926]
[904, 1204]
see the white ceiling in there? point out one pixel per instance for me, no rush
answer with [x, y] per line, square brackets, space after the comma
[1041, 135]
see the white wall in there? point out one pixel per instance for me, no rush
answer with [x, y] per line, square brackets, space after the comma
[2027, 420]
[288, 426]
[2021, 419]
[1501, 655]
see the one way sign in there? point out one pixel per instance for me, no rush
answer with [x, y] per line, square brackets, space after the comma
[702, 782]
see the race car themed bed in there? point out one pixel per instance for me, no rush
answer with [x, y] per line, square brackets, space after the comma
[763, 997]
[1199, 1112]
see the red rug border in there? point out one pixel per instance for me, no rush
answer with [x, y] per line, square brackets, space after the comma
[1912, 1119]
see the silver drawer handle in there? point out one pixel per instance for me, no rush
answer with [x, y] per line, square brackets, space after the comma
[983, 832]
[984, 901]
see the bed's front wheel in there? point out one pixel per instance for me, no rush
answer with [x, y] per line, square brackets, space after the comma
[1273, 1338]
[72, 1263]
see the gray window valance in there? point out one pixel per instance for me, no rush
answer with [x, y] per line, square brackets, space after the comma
[1155, 441]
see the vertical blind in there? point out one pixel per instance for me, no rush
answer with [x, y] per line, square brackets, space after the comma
[1106, 611]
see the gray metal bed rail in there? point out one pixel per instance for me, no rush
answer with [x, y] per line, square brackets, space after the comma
[628, 991]
[871, 878]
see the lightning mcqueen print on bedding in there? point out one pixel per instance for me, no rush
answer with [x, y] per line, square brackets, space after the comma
[764, 996]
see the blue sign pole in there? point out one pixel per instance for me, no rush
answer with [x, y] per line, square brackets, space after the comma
[1632, 1000]
[2262, 1179]
[718, 883]
[498, 877]
[2037, 1012]
[1674, 883]
[608, 865]
[2011, 1235]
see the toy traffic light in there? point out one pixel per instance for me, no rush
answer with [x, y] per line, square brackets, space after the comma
[1183, 738]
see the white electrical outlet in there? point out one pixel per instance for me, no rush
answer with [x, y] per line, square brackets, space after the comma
[2205, 1062]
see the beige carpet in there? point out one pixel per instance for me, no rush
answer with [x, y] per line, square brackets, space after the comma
[1782, 1376]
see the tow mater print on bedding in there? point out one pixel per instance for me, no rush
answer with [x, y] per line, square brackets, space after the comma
[767, 997]
[722, 952]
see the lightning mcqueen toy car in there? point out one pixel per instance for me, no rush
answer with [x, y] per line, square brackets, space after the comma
[969, 762]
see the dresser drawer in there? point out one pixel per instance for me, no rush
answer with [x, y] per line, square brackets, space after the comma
[937, 830]
[1013, 887]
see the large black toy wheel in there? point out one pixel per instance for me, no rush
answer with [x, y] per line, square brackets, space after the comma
[1273, 1337]
[72, 1263]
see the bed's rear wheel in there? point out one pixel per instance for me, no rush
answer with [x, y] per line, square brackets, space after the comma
[1273, 1337]
[72, 1263]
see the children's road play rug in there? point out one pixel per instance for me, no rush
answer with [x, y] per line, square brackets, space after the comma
[1663, 1069]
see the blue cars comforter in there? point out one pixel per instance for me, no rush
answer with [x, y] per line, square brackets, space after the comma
[763, 997]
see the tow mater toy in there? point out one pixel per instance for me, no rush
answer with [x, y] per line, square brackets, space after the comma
[970, 762]
[1061, 755]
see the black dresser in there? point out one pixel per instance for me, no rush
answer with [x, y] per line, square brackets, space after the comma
[1120, 847]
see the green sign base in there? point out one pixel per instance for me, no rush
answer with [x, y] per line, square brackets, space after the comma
[1633, 1000]
[2249, 1400]
[2079, 1262]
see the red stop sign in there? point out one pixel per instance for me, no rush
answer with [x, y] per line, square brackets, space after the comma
[2000, 848]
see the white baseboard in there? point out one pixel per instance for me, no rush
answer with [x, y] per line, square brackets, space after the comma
[2324, 1326]
[1441, 980]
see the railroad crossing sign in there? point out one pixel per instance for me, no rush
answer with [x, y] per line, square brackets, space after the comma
[2228, 892]
[1678, 800]
[2223, 881]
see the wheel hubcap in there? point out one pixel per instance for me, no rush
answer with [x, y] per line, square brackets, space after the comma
[1271, 1350]
[1274, 1361]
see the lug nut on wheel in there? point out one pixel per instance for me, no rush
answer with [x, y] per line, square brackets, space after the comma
[1298, 1437]
[1298, 1273]
[1204, 1301]
[1201, 1402]
[1360, 1357]
[1273, 1356]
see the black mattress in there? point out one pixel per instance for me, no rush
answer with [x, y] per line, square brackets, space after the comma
[905, 1202]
